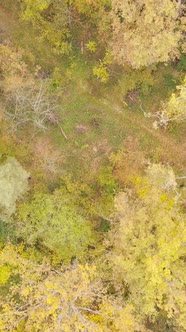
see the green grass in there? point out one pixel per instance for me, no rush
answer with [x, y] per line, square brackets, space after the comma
[100, 108]
[109, 123]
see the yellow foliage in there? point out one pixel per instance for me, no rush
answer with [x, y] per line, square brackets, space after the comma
[33, 8]
[91, 46]
[100, 71]
[147, 245]
[5, 273]
[144, 31]
[175, 108]
[51, 295]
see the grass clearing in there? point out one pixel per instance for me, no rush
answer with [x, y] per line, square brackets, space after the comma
[97, 126]
[95, 117]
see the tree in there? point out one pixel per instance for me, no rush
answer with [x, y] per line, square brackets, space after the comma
[148, 250]
[52, 221]
[50, 19]
[11, 61]
[31, 103]
[45, 298]
[27, 98]
[172, 110]
[13, 184]
[70, 298]
[144, 32]
[101, 70]
[175, 108]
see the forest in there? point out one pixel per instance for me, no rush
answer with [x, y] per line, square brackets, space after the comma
[92, 165]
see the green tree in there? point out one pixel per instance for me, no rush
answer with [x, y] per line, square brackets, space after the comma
[50, 19]
[144, 31]
[173, 109]
[148, 248]
[55, 223]
[13, 184]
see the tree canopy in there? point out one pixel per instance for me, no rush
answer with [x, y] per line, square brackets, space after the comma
[55, 224]
[92, 198]
[13, 184]
[148, 240]
[145, 32]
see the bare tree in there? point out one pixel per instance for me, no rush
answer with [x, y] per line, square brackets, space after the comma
[33, 104]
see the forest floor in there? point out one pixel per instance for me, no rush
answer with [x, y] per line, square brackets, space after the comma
[99, 122]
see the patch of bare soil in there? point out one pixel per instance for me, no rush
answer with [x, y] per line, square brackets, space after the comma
[7, 22]
[129, 161]
[46, 155]
[81, 128]
[132, 97]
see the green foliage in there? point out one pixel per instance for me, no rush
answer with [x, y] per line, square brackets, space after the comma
[105, 179]
[49, 220]
[53, 26]
[182, 62]
[169, 81]
[141, 80]
[33, 8]
[13, 184]
[94, 198]
[146, 233]
[104, 225]
[6, 232]
[101, 70]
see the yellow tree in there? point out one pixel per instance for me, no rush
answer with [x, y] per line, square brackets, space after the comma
[42, 298]
[144, 31]
[148, 248]
[173, 109]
